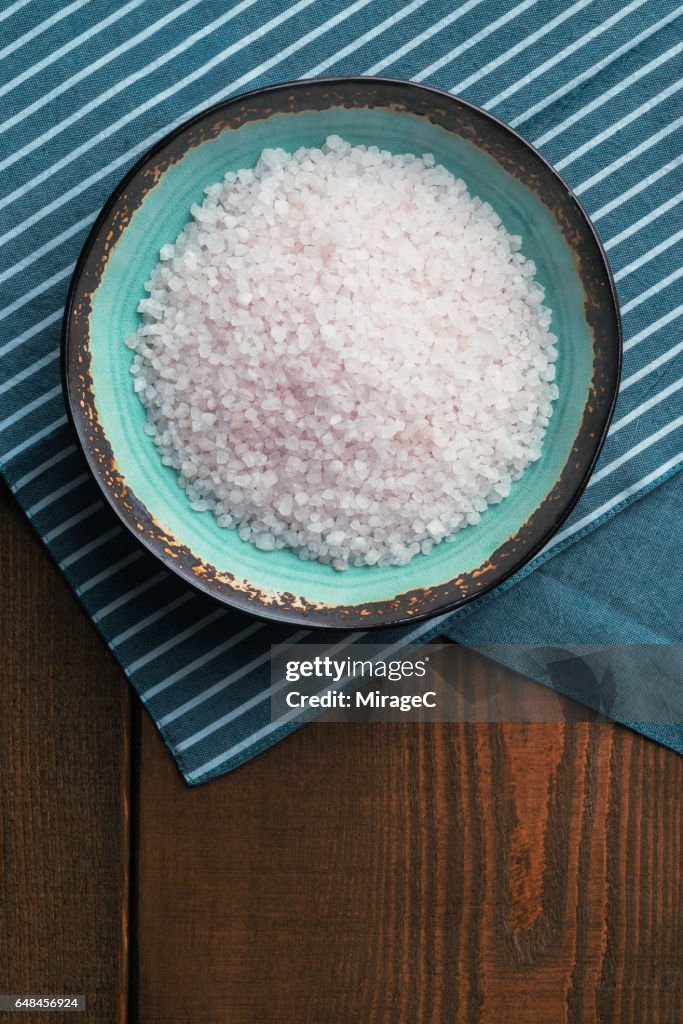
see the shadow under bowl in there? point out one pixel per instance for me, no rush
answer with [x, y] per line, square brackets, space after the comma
[151, 206]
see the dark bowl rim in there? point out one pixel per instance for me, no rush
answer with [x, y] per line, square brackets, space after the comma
[234, 600]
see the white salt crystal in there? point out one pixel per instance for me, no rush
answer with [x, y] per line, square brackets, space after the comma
[285, 505]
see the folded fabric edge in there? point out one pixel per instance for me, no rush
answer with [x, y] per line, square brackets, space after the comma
[547, 553]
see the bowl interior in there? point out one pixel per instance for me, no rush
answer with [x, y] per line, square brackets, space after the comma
[159, 219]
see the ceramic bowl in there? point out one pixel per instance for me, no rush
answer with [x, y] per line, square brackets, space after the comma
[150, 207]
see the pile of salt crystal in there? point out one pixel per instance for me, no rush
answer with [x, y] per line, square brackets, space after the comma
[346, 354]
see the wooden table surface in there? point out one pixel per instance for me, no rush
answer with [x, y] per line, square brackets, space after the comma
[357, 874]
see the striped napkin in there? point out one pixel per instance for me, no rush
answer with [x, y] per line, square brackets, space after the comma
[86, 87]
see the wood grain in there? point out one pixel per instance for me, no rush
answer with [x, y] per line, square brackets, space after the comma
[64, 724]
[403, 874]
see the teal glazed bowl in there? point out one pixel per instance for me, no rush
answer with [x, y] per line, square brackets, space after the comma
[150, 207]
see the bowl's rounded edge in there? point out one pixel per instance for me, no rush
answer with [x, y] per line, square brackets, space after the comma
[602, 313]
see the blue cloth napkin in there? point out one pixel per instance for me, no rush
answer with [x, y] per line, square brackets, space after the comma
[86, 87]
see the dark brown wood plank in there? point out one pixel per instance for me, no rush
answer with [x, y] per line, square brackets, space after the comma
[504, 874]
[64, 737]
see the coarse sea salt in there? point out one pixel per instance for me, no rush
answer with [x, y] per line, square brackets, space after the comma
[346, 354]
